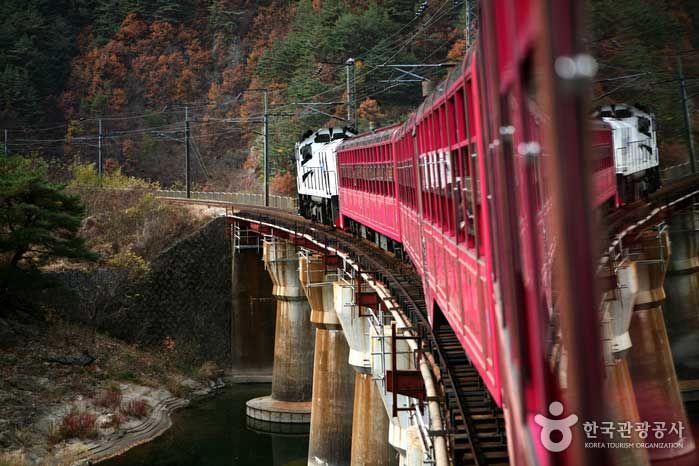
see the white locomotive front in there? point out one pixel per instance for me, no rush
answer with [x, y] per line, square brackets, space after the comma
[635, 146]
[316, 170]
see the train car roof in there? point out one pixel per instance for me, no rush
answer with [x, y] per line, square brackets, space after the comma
[370, 138]
[444, 86]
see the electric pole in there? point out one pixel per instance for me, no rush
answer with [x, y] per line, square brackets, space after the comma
[687, 116]
[99, 152]
[265, 144]
[351, 94]
[468, 24]
[5, 142]
[265, 154]
[187, 178]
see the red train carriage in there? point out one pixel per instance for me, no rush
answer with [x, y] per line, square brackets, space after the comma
[369, 205]
[453, 224]
[534, 87]
[604, 183]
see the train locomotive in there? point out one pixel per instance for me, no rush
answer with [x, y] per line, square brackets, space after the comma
[463, 189]
[634, 147]
[316, 168]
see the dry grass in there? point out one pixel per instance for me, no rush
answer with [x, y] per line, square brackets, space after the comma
[136, 408]
[134, 220]
[110, 399]
[208, 371]
[67, 459]
[12, 460]
[174, 386]
[76, 424]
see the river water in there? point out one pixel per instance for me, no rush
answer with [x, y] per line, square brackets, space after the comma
[214, 432]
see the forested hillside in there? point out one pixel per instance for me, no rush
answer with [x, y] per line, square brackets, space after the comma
[142, 65]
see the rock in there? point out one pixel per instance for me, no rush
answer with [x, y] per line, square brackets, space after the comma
[8, 337]
[83, 359]
[191, 384]
[5, 439]
[105, 421]
[43, 382]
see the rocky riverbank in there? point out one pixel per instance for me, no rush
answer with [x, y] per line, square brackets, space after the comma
[68, 396]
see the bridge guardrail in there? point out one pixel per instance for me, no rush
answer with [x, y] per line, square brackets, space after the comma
[675, 171]
[279, 202]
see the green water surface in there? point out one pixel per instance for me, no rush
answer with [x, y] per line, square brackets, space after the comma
[214, 432]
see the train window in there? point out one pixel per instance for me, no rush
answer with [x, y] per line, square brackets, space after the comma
[436, 189]
[434, 174]
[474, 241]
[425, 186]
[444, 141]
[449, 192]
[453, 136]
[536, 172]
[470, 117]
[460, 116]
[457, 193]
[442, 178]
[427, 200]
[435, 130]
[644, 126]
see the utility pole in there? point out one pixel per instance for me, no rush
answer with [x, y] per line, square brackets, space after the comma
[687, 117]
[265, 144]
[265, 154]
[468, 24]
[5, 142]
[351, 94]
[99, 153]
[187, 178]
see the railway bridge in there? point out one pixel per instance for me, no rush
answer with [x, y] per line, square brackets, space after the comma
[357, 358]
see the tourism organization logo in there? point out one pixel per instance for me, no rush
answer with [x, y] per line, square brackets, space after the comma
[549, 426]
[607, 434]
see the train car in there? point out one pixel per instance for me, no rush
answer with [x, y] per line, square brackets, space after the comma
[449, 234]
[317, 178]
[534, 88]
[604, 178]
[368, 190]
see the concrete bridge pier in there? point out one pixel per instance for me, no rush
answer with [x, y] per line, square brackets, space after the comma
[292, 372]
[621, 405]
[650, 360]
[370, 428]
[370, 421]
[682, 288]
[333, 378]
[252, 318]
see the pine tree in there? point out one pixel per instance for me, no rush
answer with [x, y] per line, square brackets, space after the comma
[39, 222]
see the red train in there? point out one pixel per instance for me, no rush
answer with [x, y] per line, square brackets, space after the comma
[488, 189]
